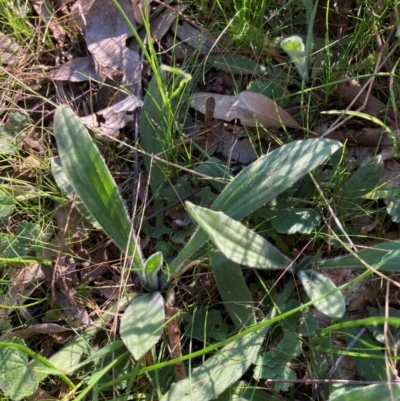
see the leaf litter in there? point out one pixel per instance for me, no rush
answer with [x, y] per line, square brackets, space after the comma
[224, 131]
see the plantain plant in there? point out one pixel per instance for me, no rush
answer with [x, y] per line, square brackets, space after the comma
[237, 245]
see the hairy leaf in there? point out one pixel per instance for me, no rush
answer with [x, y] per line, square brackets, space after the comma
[237, 242]
[316, 286]
[381, 392]
[86, 170]
[233, 290]
[262, 181]
[383, 256]
[142, 323]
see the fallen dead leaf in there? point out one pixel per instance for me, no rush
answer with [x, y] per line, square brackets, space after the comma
[8, 49]
[106, 33]
[115, 117]
[252, 109]
[348, 91]
[35, 329]
[77, 70]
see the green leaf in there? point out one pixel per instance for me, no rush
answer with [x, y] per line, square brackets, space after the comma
[233, 290]
[393, 208]
[154, 128]
[17, 378]
[243, 391]
[295, 48]
[383, 256]
[237, 242]
[219, 371]
[63, 183]
[236, 64]
[377, 329]
[262, 181]
[270, 368]
[381, 392]
[92, 181]
[151, 269]
[226, 366]
[207, 323]
[7, 205]
[142, 323]
[360, 183]
[296, 220]
[316, 286]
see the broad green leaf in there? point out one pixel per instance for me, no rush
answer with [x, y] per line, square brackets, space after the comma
[384, 256]
[86, 170]
[233, 290]
[207, 323]
[226, 366]
[262, 181]
[151, 269]
[296, 220]
[68, 356]
[236, 64]
[219, 371]
[142, 323]
[17, 378]
[7, 205]
[360, 183]
[67, 189]
[381, 392]
[316, 286]
[237, 242]
[267, 367]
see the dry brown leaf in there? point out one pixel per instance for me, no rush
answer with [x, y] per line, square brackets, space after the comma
[115, 118]
[347, 91]
[42, 7]
[191, 35]
[252, 109]
[77, 70]
[35, 329]
[159, 26]
[8, 49]
[139, 9]
[79, 11]
[106, 33]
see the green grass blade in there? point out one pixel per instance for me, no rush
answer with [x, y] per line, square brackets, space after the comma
[85, 168]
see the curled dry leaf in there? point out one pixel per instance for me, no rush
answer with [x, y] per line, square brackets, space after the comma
[115, 117]
[252, 109]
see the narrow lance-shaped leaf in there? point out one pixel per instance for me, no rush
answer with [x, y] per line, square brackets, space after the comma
[237, 242]
[85, 168]
[233, 290]
[384, 256]
[318, 285]
[225, 367]
[262, 181]
[381, 392]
